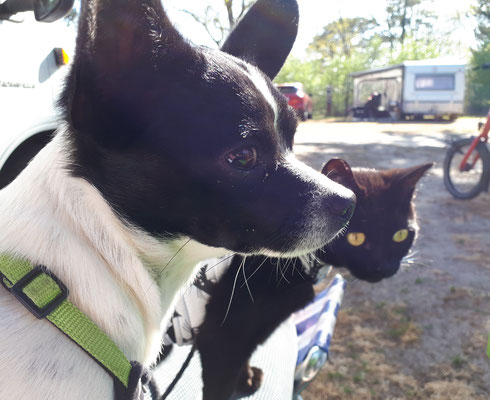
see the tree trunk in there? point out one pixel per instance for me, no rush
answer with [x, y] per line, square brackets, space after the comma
[404, 22]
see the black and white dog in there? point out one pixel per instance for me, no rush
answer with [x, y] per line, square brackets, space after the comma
[168, 154]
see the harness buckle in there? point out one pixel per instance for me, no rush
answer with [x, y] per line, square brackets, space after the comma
[39, 312]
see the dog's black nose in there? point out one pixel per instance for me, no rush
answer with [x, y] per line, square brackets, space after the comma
[342, 207]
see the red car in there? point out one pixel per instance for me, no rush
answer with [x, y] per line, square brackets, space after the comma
[297, 98]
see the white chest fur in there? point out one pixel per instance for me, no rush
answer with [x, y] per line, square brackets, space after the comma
[121, 278]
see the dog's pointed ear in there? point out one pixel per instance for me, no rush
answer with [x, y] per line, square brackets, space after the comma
[339, 171]
[120, 34]
[265, 35]
[120, 44]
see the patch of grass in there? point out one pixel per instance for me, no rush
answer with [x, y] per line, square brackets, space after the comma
[452, 289]
[396, 333]
[380, 305]
[418, 281]
[403, 331]
[334, 375]
[348, 390]
[358, 378]
[401, 310]
[405, 291]
[457, 362]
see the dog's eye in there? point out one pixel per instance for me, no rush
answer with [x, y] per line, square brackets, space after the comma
[400, 235]
[356, 239]
[244, 158]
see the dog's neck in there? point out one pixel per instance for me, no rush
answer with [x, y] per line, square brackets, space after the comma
[122, 278]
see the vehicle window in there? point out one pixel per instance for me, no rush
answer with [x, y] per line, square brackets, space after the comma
[287, 89]
[434, 82]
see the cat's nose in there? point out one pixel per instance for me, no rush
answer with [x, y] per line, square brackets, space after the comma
[342, 206]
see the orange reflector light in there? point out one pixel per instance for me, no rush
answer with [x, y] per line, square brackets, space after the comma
[66, 59]
[61, 56]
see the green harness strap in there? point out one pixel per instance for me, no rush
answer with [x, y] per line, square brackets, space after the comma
[46, 297]
[488, 346]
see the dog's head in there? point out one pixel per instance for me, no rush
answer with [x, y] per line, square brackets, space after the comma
[185, 140]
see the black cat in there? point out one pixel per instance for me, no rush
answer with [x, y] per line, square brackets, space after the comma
[380, 234]
[384, 224]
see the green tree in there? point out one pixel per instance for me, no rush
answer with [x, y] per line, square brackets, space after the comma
[344, 46]
[482, 14]
[407, 19]
[341, 38]
[478, 78]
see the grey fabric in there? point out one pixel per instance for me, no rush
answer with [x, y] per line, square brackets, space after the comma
[276, 357]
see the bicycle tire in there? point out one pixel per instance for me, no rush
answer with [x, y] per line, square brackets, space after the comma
[483, 180]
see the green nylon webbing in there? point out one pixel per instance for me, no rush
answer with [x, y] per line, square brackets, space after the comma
[488, 346]
[66, 317]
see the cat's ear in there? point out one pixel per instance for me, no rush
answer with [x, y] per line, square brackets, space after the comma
[409, 177]
[265, 35]
[339, 170]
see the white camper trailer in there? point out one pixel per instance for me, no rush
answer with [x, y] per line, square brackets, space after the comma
[414, 88]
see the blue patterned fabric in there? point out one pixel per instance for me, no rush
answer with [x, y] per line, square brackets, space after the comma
[315, 323]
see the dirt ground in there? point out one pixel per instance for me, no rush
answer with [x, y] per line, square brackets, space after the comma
[423, 333]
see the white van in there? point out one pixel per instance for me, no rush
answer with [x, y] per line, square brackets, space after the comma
[32, 68]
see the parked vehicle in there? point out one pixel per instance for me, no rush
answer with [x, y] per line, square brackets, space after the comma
[297, 98]
[31, 74]
[413, 89]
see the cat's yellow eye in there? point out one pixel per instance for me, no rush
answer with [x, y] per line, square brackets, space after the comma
[356, 238]
[400, 235]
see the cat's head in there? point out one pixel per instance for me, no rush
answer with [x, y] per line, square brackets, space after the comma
[384, 225]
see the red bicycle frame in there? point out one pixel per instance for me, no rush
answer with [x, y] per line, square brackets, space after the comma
[482, 137]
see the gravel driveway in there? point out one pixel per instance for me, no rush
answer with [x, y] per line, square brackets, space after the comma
[423, 333]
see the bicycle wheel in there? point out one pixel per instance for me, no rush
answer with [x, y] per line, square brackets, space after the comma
[469, 183]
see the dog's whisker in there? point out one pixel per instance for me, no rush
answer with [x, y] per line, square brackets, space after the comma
[175, 254]
[242, 266]
[256, 269]
[231, 297]
[209, 269]
[167, 264]
[299, 272]
[221, 261]
[282, 274]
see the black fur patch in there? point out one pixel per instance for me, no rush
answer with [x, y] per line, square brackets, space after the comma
[152, 120]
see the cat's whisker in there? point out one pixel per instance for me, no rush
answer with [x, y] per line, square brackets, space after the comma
[416, 263]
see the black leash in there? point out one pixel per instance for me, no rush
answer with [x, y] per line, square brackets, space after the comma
[180, 373]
